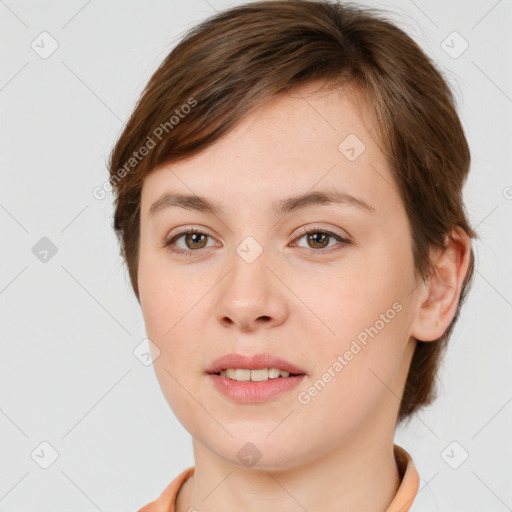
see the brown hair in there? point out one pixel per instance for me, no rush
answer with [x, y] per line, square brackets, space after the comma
[234, 61]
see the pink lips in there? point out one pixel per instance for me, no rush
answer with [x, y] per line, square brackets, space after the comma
[249, 391]
[252, 363]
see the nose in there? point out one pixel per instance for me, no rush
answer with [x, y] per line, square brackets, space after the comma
[251, 296]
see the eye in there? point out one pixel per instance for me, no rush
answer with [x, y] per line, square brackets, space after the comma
[319, 239]
[194, 239]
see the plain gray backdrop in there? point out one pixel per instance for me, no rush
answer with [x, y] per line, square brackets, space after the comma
[73, 395]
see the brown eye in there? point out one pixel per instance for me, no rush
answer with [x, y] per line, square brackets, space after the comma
[318, 239]
[194, 241]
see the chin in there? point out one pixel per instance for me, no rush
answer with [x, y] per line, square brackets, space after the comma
[258, 453]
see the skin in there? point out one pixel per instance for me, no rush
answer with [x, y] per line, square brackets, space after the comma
[293, 301]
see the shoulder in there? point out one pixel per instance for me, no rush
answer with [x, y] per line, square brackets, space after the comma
[418, 494]
[165, 502]
[425, 501]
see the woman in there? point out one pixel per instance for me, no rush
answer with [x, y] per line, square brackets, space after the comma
[289, 205]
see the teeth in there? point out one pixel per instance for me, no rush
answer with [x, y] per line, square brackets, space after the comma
[257, 375]
[242, 374]
[254, 375]
[231, 373]
[273, 373]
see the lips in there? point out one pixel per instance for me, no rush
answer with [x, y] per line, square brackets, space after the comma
[253, 363]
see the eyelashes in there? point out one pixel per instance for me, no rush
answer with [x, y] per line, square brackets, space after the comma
[171, 241]
[325, 234]
[197, 237]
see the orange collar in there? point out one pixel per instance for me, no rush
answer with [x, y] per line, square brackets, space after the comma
[402, 502]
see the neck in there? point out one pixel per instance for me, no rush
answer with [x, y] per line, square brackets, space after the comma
[337, 481]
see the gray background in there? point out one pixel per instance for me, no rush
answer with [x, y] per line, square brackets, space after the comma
[69, 325]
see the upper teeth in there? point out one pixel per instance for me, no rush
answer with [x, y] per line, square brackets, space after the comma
[254, 375]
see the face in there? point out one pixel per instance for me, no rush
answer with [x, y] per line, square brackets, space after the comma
[328, 286]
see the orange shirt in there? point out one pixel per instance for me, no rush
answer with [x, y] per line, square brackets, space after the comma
[402, 502]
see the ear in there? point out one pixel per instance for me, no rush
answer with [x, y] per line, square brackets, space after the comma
[439, 296]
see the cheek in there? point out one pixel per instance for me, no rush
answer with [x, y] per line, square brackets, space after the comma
[156, 308]
[364, 321]
[173, 311]
[170, 316]
[340, 305]
[354, 371]
[161, 295]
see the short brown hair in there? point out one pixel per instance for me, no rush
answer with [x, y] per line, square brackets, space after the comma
[234, 61]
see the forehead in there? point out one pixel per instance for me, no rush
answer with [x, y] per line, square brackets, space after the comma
[298, 141]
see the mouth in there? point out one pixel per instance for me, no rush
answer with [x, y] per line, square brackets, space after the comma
[256, 368]
[256, 375]
[254, 379]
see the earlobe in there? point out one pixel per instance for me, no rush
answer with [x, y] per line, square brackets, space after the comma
[439, 297]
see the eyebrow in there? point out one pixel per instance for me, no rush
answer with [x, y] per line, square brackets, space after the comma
[280, 207]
